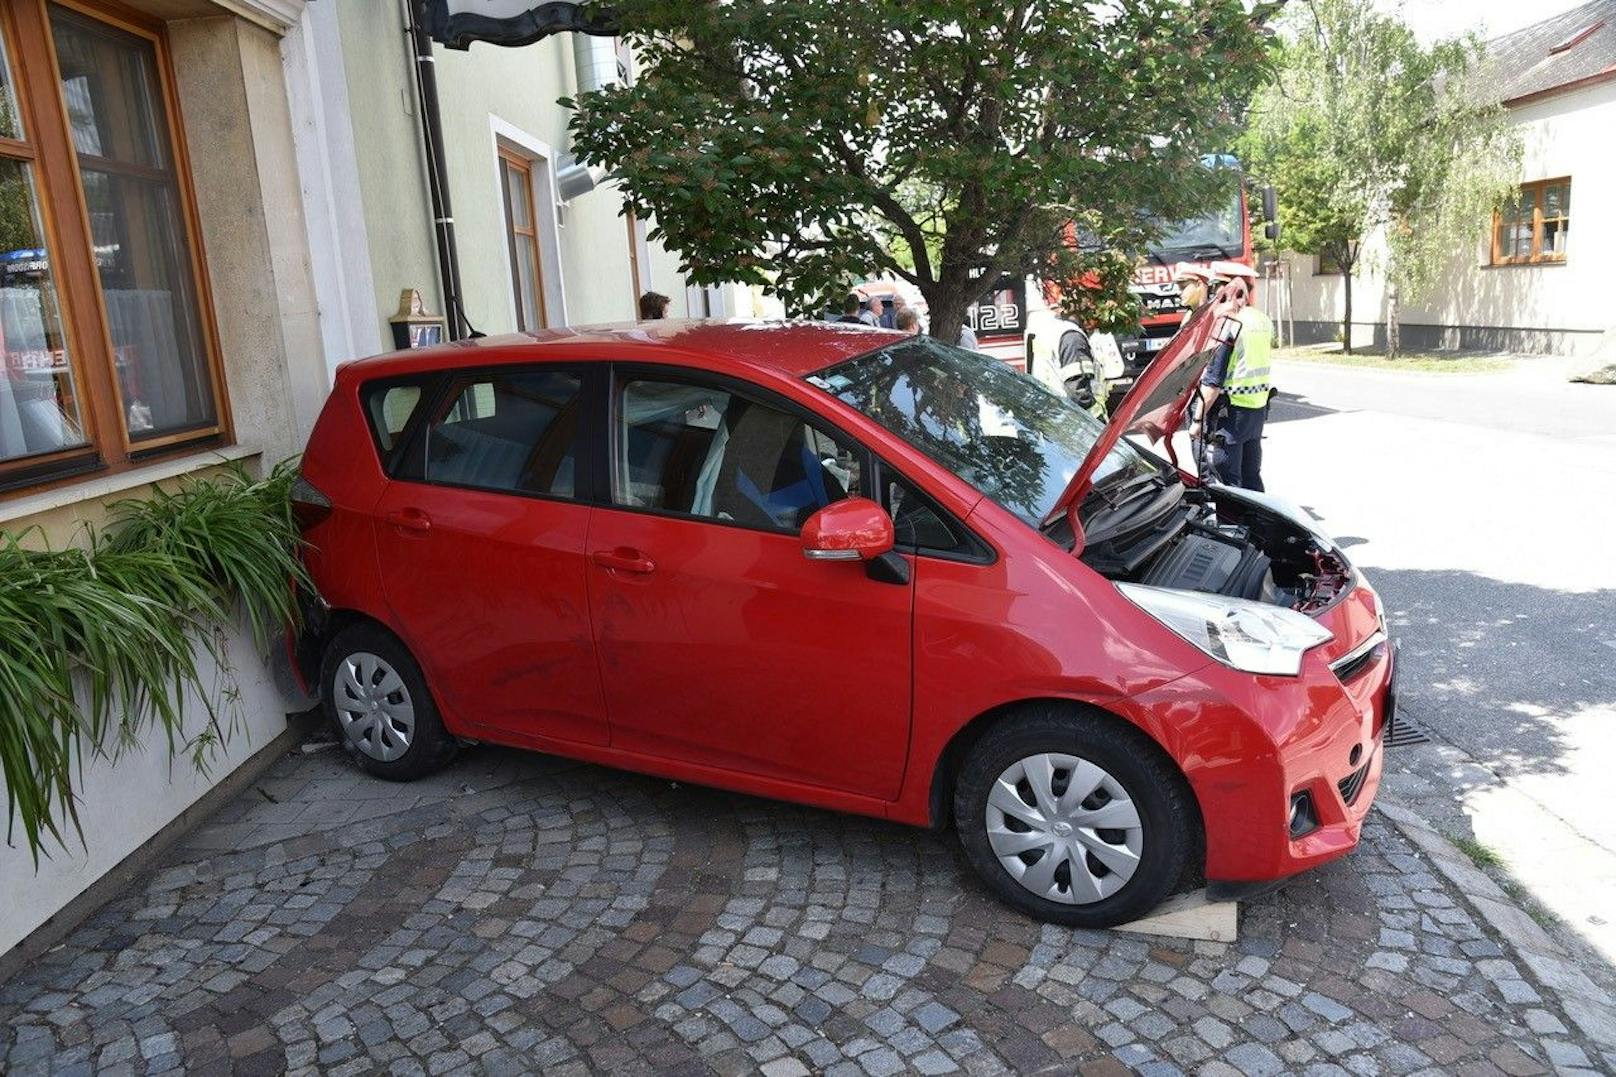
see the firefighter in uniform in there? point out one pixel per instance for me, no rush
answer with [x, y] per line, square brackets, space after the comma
[1235, 389]
[1062, 357]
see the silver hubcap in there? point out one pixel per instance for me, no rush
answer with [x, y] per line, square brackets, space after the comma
[1064, 828]
[374, 706]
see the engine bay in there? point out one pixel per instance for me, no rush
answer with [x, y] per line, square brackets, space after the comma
[1212, 541]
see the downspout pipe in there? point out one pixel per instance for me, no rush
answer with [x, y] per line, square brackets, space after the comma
[426, 84]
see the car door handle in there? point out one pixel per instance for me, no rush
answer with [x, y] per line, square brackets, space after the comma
[410, 520]
[625, 559]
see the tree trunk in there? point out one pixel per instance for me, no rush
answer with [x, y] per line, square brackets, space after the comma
[1394, 332]
[1346, 317]
[946, 308]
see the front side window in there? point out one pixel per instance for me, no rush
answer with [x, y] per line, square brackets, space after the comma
[513, 432]
[915, 522]
[1534, 225]
[1004, 433]
[703, 451]
[93, 198]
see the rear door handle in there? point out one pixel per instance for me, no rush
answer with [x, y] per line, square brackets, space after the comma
[410, 520]
[624, 559]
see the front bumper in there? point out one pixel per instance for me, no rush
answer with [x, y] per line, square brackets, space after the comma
[1251, 744]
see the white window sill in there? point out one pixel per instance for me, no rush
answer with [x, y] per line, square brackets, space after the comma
[106, 486]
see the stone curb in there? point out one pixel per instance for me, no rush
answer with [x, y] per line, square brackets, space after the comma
[1585, 1002]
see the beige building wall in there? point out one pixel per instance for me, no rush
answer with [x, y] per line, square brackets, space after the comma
[1560, 308]
[234, 110]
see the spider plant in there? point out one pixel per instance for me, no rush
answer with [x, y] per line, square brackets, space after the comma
[237, 535]
[97, 642]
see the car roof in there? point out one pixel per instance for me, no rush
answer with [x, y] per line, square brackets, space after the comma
[793, 349]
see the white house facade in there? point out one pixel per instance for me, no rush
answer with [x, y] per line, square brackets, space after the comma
[1540, 281]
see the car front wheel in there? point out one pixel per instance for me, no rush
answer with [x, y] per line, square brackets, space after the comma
[1074, 817]
[378, 703]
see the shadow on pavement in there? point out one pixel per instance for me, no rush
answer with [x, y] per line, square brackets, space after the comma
[1289, 407]
[1498, 667]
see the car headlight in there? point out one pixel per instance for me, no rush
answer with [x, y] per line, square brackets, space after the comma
[1251, 636]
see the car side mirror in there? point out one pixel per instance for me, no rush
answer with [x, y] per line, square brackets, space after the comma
[853, 529]
[1270, 204]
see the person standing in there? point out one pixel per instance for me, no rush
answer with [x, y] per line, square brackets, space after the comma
[1079, 371]
[1192, 284]
[907, 321]
[1063, 360]
[1235, 389]
[852, 311]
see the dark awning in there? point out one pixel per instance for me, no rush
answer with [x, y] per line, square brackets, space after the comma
[457, 23]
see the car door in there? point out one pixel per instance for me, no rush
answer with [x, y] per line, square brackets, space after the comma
[480, 536]
[720, 643]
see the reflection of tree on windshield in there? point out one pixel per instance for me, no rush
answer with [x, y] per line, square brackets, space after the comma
[1003, 433]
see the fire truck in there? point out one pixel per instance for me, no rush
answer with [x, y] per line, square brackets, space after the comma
[1006, 321]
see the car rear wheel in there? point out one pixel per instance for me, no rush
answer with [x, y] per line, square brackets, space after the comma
[1073, 817]
[378, 703]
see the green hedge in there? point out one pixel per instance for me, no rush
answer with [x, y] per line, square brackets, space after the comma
[123, 616]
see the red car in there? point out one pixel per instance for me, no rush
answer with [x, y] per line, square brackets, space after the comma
[854, 569]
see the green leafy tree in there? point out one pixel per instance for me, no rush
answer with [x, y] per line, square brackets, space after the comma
[799, 143]
[1467, 165]
[1363, 129]
[1094, 283]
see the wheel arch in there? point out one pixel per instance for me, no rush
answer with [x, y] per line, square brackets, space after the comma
[320, 628]
[946, 772]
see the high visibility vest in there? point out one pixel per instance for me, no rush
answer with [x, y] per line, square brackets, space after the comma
[1249, 369]
[1043, 360]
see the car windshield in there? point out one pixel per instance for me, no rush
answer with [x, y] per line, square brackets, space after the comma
[1214, 234]
[1002, 432]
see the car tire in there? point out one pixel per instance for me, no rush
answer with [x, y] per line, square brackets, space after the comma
[1111, 874]
[378, 704]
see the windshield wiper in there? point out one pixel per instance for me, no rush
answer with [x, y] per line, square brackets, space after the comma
[1201, 250]
[1112, 493]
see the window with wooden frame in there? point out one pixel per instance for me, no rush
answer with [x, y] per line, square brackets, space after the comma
[1535, 225]
[516, 177]
[106, 338]
[636, 282]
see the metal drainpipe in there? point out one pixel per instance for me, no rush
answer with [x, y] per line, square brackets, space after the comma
[426, 82]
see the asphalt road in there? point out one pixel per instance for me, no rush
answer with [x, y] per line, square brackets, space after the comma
[1483, 507]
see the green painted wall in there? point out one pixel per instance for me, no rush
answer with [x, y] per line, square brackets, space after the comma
[387, 144]
[519, 87]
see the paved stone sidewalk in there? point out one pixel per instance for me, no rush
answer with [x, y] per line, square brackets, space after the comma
[519, 914]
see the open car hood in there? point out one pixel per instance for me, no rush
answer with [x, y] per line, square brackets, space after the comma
[1154, 406]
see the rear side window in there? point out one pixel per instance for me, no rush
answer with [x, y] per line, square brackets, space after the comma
[390, 408]
[514, 432]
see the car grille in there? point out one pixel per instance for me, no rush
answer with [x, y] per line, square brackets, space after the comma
[1353, 783]
[1353, 664]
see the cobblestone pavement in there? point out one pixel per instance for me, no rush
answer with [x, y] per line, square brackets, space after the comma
[518, 913]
